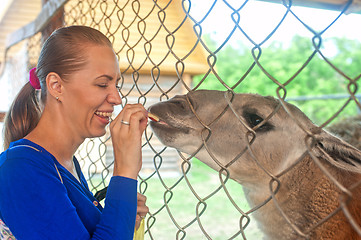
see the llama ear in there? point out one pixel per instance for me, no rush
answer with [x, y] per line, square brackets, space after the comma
[338, 152]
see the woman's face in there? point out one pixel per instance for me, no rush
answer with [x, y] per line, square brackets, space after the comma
[89, 95]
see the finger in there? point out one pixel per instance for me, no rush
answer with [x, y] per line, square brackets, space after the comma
[142, 210]
[138, 221]
[141, 197]
[137, 119]
[139, 217]
[120, 122]
[127, 110]
[131, 113]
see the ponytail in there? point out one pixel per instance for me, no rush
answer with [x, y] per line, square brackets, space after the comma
[23, 115]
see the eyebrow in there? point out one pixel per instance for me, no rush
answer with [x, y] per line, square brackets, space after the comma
[110, 78]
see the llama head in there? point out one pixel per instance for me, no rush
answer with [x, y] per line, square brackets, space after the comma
[248, 134]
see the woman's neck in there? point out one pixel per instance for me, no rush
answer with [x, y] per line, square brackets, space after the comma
[54, 137]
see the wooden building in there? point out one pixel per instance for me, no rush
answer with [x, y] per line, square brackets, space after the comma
[157, 48]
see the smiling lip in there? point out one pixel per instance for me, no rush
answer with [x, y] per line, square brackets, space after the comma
[103, 116]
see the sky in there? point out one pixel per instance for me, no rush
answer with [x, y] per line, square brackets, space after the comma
[259, 18]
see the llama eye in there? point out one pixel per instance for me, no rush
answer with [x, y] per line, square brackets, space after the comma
[254, 120]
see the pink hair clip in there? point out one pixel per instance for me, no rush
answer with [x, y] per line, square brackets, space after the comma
[34, 80]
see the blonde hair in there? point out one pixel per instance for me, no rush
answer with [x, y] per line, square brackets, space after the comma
[63, 53]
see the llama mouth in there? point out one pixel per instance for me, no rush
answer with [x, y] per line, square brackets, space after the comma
[168, 124]
[156, 119]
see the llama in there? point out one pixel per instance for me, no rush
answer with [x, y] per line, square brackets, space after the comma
[348, 129]
[262, 141]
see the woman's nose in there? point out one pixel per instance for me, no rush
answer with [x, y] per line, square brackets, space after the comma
[114, 97]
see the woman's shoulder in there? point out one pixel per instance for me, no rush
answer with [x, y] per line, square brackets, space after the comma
[26, 154]
[23, 145]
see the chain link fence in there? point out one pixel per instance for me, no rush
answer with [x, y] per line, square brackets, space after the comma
[166, 48]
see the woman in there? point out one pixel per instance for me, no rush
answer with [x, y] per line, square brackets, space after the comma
[43, 194]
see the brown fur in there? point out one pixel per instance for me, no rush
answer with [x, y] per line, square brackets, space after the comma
[206, 125]
[320, 198]
[349, 129]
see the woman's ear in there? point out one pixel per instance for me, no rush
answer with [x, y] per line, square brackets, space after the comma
[54, 84]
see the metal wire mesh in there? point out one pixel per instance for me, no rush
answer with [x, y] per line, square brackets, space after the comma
[161, 47]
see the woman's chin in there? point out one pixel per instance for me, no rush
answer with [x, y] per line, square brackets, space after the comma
[97, 133]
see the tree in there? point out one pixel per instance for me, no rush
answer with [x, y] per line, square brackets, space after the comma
[299, 68]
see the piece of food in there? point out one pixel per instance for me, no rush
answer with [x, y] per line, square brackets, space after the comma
[153, 117]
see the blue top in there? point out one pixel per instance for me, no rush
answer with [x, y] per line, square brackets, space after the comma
[36, 203]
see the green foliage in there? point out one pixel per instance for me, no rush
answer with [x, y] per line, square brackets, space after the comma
[183, 205]
[298, 68]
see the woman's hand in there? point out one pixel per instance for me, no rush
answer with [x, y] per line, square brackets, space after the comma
[127, 140]
[142, 210]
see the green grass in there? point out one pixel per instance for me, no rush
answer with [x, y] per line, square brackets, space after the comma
[177, 219]
[220, 218]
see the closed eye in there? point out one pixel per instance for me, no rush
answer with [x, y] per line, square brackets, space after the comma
[104, 80]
